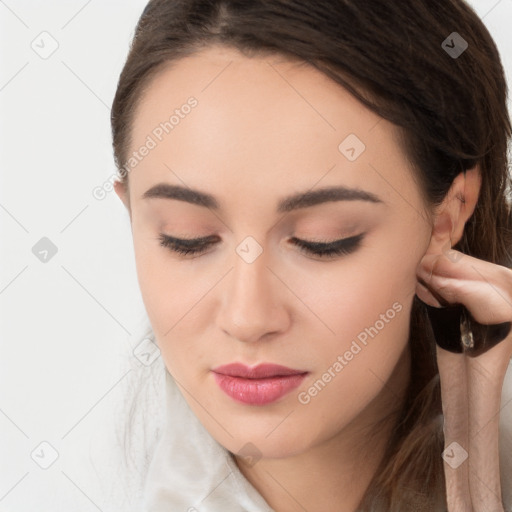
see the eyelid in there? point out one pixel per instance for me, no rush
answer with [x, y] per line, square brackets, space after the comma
[322, 242]
[200, 240]
[325, 250]
[332, 248]
[210, 238]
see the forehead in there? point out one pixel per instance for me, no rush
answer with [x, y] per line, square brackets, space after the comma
[257, 122]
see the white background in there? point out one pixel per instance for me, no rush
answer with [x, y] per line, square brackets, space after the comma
[69, 326]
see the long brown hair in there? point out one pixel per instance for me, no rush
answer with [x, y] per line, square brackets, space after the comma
[452, 112]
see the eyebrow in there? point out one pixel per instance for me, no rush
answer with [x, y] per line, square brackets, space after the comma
[294, 202]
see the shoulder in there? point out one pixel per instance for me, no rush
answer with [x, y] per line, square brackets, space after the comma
[506, 439]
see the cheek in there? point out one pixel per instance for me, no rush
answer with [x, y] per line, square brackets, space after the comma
[370, 319]
[158, 281]
[174, 297]
[353, 369]
[368, 308]
[372, 290]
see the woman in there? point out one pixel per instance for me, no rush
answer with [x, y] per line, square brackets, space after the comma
[317, 196]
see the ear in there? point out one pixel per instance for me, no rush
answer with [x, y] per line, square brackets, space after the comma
[457, 207]
[123, 193]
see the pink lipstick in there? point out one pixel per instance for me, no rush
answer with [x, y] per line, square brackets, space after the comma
[259, 385]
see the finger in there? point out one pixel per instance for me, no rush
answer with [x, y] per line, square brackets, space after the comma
[454, 263]
[484, 288]
[454, 396]
[426, 295]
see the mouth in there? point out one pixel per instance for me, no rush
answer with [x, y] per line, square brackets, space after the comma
[258, 385]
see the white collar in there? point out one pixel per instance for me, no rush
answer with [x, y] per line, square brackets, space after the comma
[190, 471]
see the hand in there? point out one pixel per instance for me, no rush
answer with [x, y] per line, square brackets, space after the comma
[471, 381]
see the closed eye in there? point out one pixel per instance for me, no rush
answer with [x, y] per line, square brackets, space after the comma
[330, 249]
[327, 249]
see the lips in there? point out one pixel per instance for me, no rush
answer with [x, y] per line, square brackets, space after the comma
[259, 385]
[261, 371]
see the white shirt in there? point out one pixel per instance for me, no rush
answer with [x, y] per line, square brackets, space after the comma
[190, 471]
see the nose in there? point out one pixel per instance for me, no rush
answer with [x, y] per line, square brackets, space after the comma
[254, 301]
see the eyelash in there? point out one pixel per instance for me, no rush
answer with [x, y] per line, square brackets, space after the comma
[322, 249]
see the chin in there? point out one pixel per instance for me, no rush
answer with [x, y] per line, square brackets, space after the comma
[257, 442]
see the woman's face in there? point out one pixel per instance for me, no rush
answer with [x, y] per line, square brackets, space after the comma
[251, 132]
